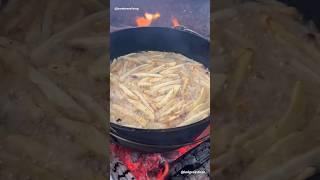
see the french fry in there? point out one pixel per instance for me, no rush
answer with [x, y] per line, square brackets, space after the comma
[201, 115]
[172, 75]
[153, 80]
[159, 86]
[166, 98]
[168, 88]
[142, 108]
[159, 98]
[173, 108]
[113, 78]
[200, 107]
[143, 100]
[156, 90]
[185, 84]
[168, 119]
[130, 115]
[147, 75]
[172, 69]
[127, 91]
[143, 81]
[171, 64]
[132, 71]
[167, 106]
[157, 69]
[200, 98]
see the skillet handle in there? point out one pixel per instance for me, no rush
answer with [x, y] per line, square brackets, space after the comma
[183, 28]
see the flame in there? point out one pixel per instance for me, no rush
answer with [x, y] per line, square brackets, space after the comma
[147, 19]
[175, 22]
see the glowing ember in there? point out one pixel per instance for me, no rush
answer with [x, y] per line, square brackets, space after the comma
[143, 165]
[147, 19]
[146, 166]
[175, 22]
[163, 175]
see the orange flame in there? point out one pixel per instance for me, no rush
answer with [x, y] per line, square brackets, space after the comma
[147, 19]
[175, 22]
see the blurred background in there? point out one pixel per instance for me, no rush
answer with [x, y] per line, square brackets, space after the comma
[265, 57]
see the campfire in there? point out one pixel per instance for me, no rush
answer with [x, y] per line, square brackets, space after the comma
[159, 166]
[147, 19]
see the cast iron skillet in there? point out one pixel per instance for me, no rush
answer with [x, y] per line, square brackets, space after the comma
[180, 41]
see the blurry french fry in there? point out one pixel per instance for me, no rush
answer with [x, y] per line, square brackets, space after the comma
[150, 93]
[159, 86]
[129, 114]
[168, 88]
[173, 108]
[132, 71]
[142, 108]
[143, 100]
[204, 84]
[124, 68]
[158, 98]
[145, 84]
[157, 69]
[113, 78]
[172, 69]
[143, 81]
[200, 98]
[147, 75]
[152, 80]
[167, 106]
[166, 98]
[168, 119]
[200, 107]
[142, 121]
[171, 64]
[172, 75]
[201, 115]
[185, 84]
[127, 91]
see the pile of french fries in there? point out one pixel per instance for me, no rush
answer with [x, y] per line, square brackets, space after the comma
[158, 90]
